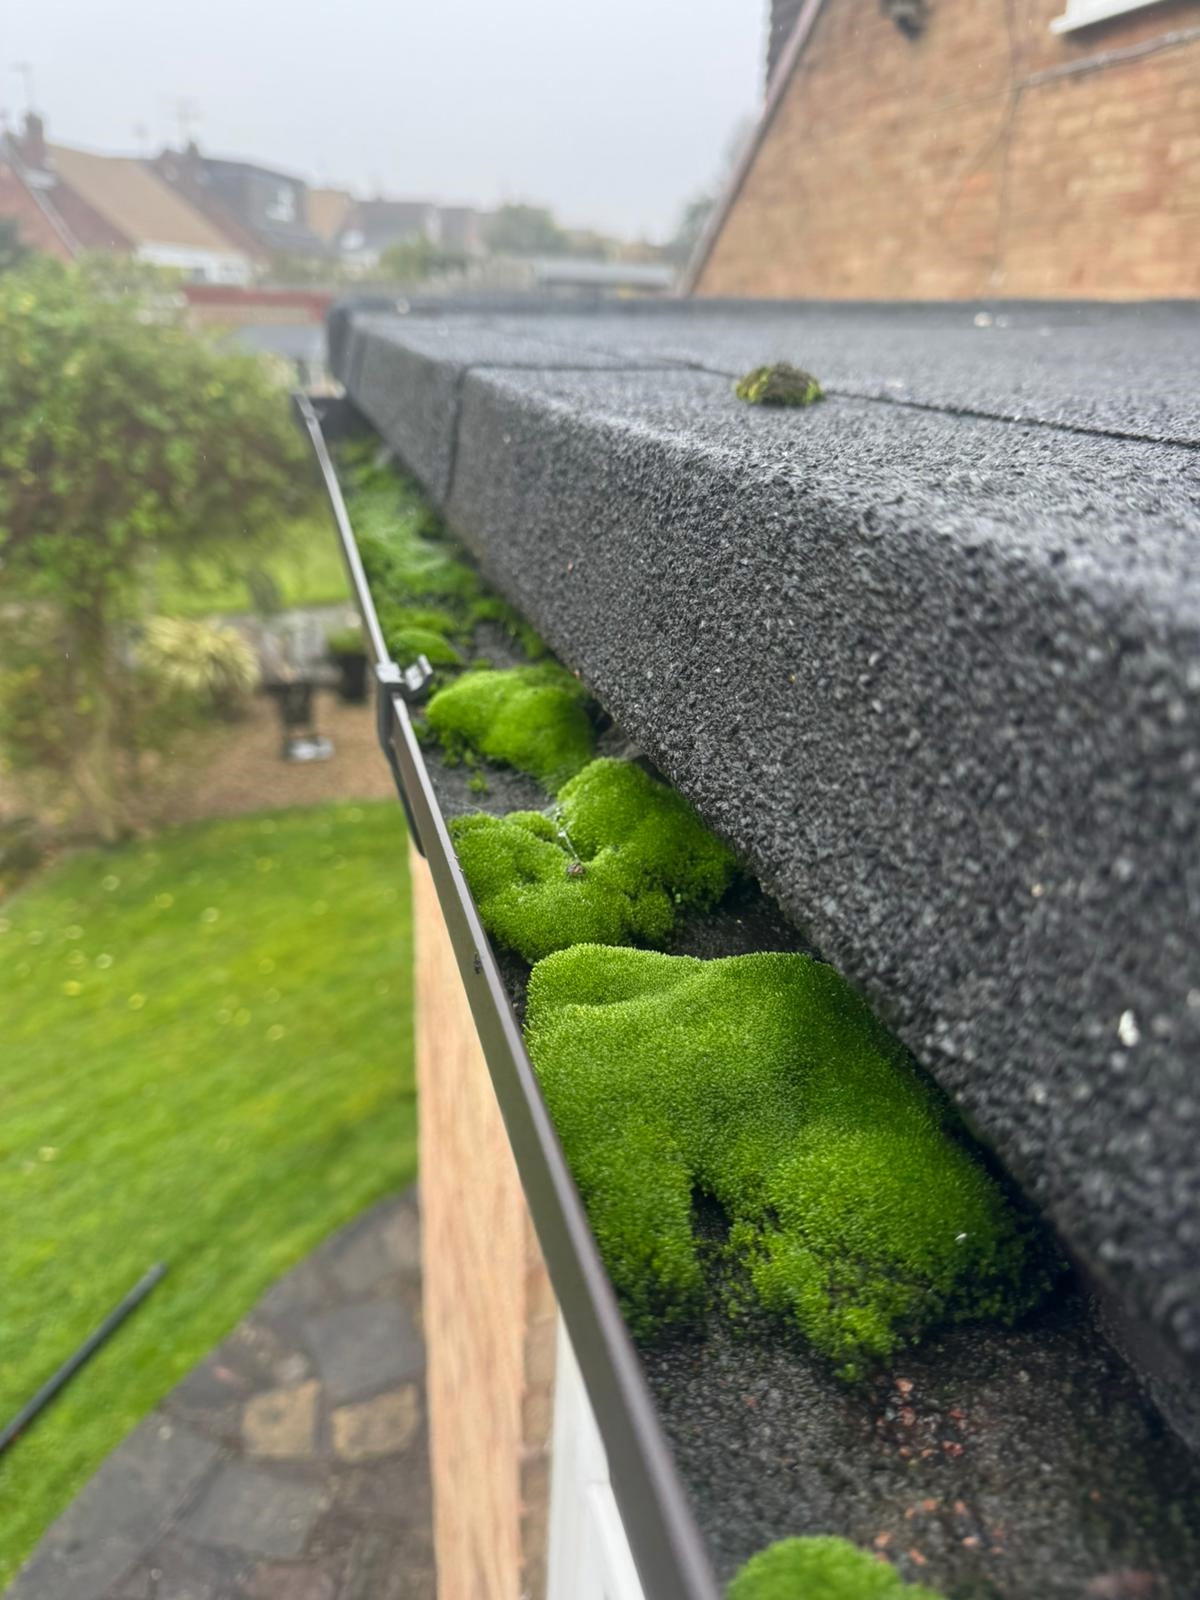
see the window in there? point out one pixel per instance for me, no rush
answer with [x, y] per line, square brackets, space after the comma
[1083, 13]
[282, 205]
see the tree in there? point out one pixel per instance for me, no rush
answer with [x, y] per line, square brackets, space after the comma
[691, 225]
[416, 259]
[521, 230]
[125, 440]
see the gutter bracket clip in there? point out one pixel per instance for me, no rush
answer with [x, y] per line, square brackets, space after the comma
[409, 684]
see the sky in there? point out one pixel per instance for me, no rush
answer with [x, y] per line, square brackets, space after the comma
[613, 112]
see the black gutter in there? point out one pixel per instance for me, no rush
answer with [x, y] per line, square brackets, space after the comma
[663, 1536]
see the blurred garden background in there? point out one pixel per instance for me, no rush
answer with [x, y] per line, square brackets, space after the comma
[204, 948]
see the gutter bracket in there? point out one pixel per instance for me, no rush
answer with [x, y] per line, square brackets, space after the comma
[409, 685]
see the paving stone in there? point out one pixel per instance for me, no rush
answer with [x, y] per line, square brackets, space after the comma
[212, 1386]
[276, 1580]
[257, 1349]
[66, 1567]
[180, 1571]
[282, 1422]
[248, 1508]
[364, 1261]
[303, 1289]
[382, 1568]
[402, 1235]
[118, 1514]
[293, 1369]
[136, 1585]
[383, 1426]
[395, 1490]
[362, 1349]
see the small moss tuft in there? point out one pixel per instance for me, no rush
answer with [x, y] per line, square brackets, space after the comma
[532, 718]
[765, 1082]
[821, 1568]
[617, 859]
[778, 385]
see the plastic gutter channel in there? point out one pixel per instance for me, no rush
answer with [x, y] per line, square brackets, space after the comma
[666, 1543]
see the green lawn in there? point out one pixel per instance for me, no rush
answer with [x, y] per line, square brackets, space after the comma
[205, 1058]
[306, 565]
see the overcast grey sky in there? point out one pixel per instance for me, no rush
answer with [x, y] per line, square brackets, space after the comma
[612, 111]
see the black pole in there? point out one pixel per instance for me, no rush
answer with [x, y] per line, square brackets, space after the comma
[86, 1350]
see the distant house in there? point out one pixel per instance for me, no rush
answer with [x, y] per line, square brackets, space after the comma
[267, 207]
[911, 150]
[327, 210]
[371, 227]
[69, 202]
[460, 230]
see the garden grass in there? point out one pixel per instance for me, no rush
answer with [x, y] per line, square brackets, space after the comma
[205, 1059]
[305, 564]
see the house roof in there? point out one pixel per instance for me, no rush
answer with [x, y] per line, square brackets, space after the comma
[135, 200]
[924, 652]
[183, 172]
[38, 226]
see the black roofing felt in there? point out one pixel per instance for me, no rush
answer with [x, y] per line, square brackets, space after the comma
[933, 669]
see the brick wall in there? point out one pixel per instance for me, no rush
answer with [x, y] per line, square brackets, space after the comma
[490, 1316]
[961, 164]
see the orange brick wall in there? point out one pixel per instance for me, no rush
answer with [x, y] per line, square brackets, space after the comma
[936, 169]
[489, 1312]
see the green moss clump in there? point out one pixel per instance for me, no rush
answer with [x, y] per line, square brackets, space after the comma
[822, 1568]
[779, 385]
[429, 597]
[765, 1082]
[533, 718]
[412, 631]
[493, 609]
[613, 864]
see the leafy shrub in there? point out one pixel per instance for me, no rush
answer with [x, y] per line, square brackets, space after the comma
[856, 1209]
[821, 1568]
[126, 442]
[613, 863]
[533, 718]
[208, 666]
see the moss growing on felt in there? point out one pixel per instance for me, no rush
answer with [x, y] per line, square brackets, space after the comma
[412, 631]
[821, 1568]
[617, 859]
[763, 1081]
[429, 597]
[532, 718]
[779, 385]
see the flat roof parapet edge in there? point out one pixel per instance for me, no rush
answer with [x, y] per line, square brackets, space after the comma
[933, 669]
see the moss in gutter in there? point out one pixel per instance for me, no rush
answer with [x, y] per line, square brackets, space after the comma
[779, 385]
[533, 718]
[821, 1568]
[429, 597]
[763, 1081]
[616, 860]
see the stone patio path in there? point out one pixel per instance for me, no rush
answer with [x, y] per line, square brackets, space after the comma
[290, 1465]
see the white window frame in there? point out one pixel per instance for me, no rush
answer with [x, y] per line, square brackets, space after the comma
[1085, 13]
